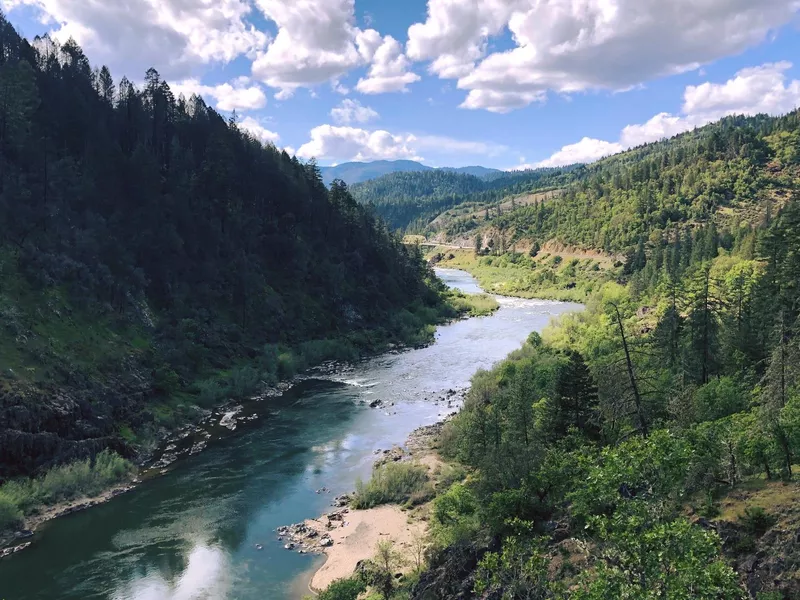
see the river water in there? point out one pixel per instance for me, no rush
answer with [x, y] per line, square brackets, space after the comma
[192, 533]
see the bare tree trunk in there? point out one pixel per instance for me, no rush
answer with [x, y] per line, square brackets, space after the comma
[637, 397]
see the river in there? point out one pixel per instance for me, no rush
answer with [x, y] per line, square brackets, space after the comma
[193, 532]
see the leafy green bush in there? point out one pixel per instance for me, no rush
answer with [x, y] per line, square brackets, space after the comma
[344, 589]
[394, 483]
[475, 305]
[10, 515]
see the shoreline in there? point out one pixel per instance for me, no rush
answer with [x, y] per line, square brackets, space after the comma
[8, 544]
[347, 537]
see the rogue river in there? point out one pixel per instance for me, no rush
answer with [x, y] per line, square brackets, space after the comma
[193, 532]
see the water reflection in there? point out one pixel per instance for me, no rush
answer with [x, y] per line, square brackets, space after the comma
[207, 576]
[193, 533]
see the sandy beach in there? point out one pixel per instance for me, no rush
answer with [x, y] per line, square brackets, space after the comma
[357, 538]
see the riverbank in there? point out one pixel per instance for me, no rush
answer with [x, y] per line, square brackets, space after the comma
[349, 537]
[550, 275]
[218, 504]
[20, 516]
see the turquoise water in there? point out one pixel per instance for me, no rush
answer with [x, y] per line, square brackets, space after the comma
[192, 533]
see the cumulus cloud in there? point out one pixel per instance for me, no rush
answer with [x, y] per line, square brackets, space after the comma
[586, 151]
[352, 111]
[258, 131]
[318, 41]
[755, 90]
[389, 71]
[352, 143]
[570, 46]
[329, 142]
[238, 95]
[174, 36]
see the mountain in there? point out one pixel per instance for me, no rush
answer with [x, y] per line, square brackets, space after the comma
[477, 171]
[155, 257]
[357, 172]
[410, 201]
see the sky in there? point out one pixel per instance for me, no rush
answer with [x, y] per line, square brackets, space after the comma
[500, 83]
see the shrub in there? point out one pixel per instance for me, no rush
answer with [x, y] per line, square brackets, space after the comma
[394, 483]
[756, 520]
[344, 589]
[66, 482]
[10, 515]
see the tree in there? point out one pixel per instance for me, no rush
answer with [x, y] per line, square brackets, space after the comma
[576, 403]
[478, 245]
[387, 560]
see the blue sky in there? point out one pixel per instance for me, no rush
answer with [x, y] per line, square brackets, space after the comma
[501, 83]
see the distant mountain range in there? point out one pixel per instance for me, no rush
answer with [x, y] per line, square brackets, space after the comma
[356, 172]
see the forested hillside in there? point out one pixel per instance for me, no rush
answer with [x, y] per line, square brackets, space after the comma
[409, 201]
[647, 447]
[154, 255]
[734, 172]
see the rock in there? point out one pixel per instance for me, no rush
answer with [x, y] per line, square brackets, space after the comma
[289, 546]
[24, 533]
[326, 542]
[375, 403]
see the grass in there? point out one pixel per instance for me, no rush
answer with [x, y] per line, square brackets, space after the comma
[84, 478]
[474, 305]
[773, 497]
[548, 276]
[394, 483]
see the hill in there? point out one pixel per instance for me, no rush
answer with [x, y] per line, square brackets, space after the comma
[155, 257]
[647, 445]
[410, 201]
[358, 172]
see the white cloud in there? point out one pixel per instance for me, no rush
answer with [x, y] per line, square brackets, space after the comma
[258, 131]
[351, 143]
[389, 71]
[575, 45]
[236, 96]
[751, 91]
[174, 36]
[329, 142]
[352, 111]
[318, 41]
[586, 151]
[755, 90]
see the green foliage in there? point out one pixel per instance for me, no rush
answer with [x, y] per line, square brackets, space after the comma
[394, 483]
[756, 520]
[455, 515]
[474, 305]
[718, 399]
[410, 200]
[673, 560]
[10, 514]
[63, 483]
[518, 572]
[344, 589]
[145, 240]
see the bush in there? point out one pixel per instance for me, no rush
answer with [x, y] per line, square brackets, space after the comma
[756, 520]
[343, 589]
[10, 515]
[66, 482]
[475, 305]
[394, 483]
